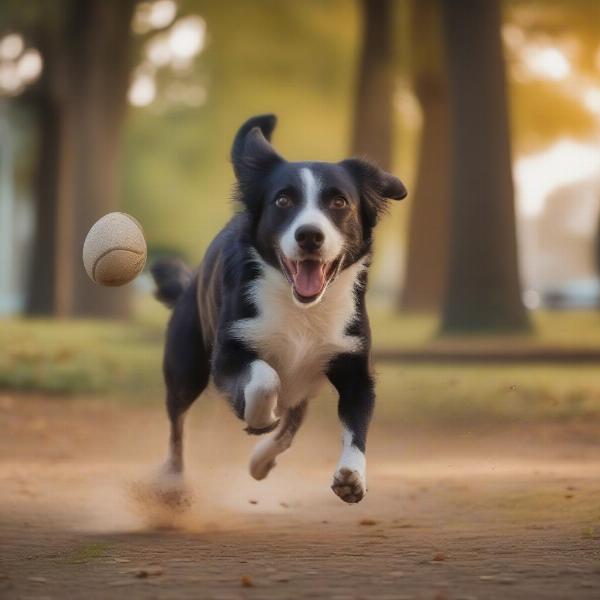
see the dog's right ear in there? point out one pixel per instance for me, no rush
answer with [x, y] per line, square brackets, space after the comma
[252, 154]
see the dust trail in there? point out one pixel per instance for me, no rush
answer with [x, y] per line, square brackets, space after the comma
[162, 500]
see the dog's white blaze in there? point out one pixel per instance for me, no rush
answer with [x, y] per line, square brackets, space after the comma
[299, 343]
[352, 457]
[260, 395]
[311, 214]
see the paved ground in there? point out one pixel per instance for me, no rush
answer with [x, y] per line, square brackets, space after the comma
[457, 514]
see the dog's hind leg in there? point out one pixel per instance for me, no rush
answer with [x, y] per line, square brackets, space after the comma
[186, 369]
[176, 409]
[265, 452]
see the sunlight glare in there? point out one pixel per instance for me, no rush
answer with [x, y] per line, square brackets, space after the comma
[10, 81]
[536, 175]
[11, 46]
[162, 13]
[29, 65]
[142, 91]
[186, 38]
[158, 51]
[591, 100]
[513, 36]
[546, 62]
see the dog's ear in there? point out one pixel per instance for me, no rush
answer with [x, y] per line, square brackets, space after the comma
[252, 154]
[376, 187]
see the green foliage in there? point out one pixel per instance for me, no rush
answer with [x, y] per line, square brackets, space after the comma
[292, 58]
[544, 111]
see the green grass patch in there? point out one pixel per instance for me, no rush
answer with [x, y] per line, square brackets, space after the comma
[85, 554]
[77, 357]
[123, 359]
[464, 394]
[568, 329]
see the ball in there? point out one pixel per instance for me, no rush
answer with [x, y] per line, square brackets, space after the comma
[114, 251]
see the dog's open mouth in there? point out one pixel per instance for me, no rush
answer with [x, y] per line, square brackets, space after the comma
[309, 277]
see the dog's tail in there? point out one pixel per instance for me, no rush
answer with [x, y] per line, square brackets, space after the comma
[172, 276]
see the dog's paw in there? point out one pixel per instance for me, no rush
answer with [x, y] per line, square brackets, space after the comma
[260, 466]
[348, 485]
[263, 458]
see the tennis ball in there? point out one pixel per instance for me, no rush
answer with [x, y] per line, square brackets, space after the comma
[114, 251]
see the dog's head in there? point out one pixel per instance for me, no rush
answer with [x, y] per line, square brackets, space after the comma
[310, 219]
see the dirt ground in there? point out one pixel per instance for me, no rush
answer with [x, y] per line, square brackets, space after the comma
[468, 513]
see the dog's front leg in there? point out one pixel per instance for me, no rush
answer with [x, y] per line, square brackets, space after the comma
[350, 375]
[251, 385]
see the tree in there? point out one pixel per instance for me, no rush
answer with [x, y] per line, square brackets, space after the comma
[79, 105]
[373, 113]
[483, 291]
[428, 232]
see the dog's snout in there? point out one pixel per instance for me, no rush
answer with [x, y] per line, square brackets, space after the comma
[309, 237]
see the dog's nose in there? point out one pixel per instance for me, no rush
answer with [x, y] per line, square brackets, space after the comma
[309, 237]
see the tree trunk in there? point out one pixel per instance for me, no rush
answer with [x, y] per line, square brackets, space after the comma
[483, 291]
[90, 85]
[428, 232]
[100, 66]
[373, 113]
[40, 295]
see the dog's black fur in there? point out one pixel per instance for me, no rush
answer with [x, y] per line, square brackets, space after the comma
[207, 305]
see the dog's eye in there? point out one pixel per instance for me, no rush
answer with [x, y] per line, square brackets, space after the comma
[339, 202]
[283, 202]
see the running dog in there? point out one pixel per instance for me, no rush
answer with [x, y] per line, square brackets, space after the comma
[278, 303]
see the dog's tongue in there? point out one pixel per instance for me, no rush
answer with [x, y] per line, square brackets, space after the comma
[310, 278]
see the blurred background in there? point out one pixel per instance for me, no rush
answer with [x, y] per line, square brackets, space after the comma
[484, 295]
[488, 111]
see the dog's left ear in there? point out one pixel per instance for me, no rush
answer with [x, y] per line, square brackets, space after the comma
[375, 185]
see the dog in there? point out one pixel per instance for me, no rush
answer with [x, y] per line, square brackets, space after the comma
[278, 303]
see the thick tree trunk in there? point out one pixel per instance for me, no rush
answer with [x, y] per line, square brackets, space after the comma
[428, 233]
[40, 298]
[483, 291]
[373, 113]
[90, 78]
[99, 66]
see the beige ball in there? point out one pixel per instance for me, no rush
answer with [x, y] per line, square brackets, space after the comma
[114, 251]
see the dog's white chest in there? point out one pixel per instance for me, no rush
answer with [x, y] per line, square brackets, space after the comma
[299, 342]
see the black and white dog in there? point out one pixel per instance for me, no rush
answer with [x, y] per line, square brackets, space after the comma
[278, 303]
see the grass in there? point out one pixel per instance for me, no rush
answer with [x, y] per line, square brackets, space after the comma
[568, 329]
[85, 554]
[75, 357]
[461, 394]
[123, 360]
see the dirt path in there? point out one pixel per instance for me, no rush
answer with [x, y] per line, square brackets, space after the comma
[460, 515]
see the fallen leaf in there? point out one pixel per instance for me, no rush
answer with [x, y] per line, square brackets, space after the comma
[148, 572]
[368, 522]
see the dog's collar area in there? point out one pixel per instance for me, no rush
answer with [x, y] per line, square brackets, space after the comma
[291, 270]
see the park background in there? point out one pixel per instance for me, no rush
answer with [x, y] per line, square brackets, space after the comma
[133, 105]
[484, 293]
